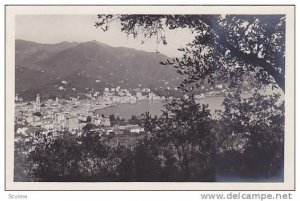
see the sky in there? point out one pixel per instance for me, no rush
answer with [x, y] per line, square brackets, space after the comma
[52, 29]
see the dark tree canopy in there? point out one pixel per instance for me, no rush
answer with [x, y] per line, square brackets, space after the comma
[184, 129]
[252, 134]
[227, 49]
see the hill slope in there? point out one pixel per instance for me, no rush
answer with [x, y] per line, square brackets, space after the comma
[42, 68]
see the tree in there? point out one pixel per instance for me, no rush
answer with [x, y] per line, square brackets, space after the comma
[134, 120]
[251, 135]
[226, 49]
[88, 119]
[38, 114]
[235, 50]
[21, 169]
[88, 127]
[65, 160]
[184, 131]
[112, 118]
[140, 163]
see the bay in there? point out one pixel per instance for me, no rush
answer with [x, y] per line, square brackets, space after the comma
[155, 107]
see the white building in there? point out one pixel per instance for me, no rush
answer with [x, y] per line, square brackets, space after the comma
[17, 98]
[147, 90]
[132, 128]
[151, 96]
[133, 100]
[22, 131]
[73, 123]
[136, 129]
[219, 86]
[37, 106]
[139, 95]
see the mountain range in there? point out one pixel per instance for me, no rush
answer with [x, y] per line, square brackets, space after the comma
[72, 68]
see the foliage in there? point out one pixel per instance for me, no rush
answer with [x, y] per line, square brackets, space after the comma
[116, 120]
[183, 144]
[139, 163]
[65, 160]
[179, 147]
[227, 49]
[21, 172]
[134, 120]
[112, 118]
[235, 50]
[88, 119]
[252, 134]
[38, 114]
[184, 130]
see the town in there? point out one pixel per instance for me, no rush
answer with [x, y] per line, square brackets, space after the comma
[54, 116]
[51, 118]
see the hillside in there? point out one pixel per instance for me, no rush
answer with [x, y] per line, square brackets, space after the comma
[42, 68]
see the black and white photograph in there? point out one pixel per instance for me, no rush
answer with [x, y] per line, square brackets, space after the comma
[150, 95]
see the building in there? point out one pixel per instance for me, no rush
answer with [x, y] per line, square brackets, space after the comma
[48, 123]
[17, 98]
[132, 128]
[22, 130]
[29, 119]
[97, 121]
[200, 96]
[105, 122]
[147, 90]
[96, 94]
[37, 123]
[19, 120]
[73, 123]
[108, 130]
[139, 95]
[133, 100]
[219, 86]
[59, 117]
[135, 129]
[60, 121]
[37, 105]
[118, 131]
[151, 96]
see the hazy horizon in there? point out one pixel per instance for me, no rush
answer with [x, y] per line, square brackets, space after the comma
[52, 29]
[90, 41]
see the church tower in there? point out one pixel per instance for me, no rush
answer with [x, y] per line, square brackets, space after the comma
[38, 102]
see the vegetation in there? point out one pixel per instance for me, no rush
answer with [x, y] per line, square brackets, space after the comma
[226, 49]
[183, 133]
[251, 136]
[183, 153]
[185, 143]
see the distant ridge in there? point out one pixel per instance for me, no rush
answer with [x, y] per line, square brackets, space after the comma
[41, 68]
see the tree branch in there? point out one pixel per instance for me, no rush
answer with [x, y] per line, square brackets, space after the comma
[251, 59]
